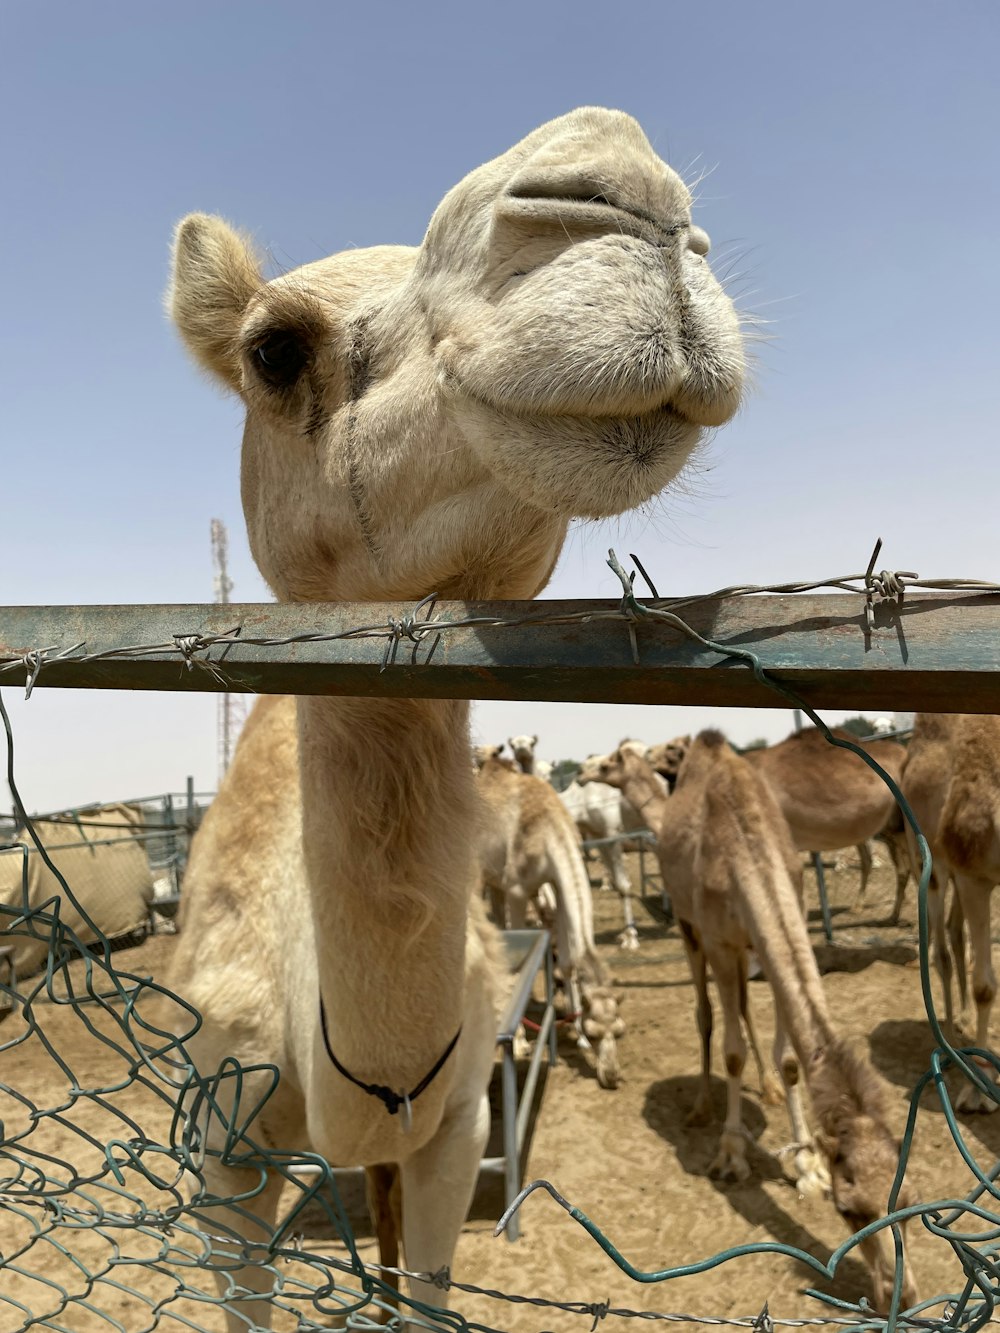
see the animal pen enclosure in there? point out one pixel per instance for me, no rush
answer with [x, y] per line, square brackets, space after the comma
[137, 1191]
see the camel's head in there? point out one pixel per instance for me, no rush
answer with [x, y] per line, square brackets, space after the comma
[863, 1156]
[481, 754]
[607, 768]
[667, 758]
[523, 750]
[429, 419]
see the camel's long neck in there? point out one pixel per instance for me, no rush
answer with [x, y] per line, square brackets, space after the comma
[388, 810]
[778, 931]
[642, 791]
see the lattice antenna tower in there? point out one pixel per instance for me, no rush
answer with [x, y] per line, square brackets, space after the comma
[227, 723]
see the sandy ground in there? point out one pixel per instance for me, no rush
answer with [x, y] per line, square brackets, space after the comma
[625, 1157]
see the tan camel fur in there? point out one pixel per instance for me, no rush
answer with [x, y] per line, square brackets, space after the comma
[830, 797]
[925, 783]
[735, 883]
[667, 759]
[420, 419]
[529, 842]
[968, 840]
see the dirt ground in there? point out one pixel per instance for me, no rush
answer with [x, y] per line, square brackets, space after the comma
[624, 1157]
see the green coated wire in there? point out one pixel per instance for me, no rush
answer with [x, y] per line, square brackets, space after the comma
[234, 1095]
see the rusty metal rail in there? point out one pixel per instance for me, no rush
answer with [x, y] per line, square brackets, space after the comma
[935, 651]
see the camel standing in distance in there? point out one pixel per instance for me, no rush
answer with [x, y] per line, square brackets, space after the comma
[966, 842]
[925, 783]
[829, 796]
[523, 749]
[600, 811]
[419, 419]
[529, 842]
[735, 882]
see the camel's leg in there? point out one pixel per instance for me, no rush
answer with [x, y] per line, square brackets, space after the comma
[731, 1159]
[939, 942]
[245, 1291]
[517, 906]
[568, 958]
[629, 938]
[812, 1178]
[896, 845]
[770, 1090]
[865, 856]
[701, 1112]
[956, 939]
[974, 895]
[437, 1188]
[382, 1185]
[498, 905]
[606, 857]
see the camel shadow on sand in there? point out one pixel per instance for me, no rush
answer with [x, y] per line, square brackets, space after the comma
[901, 1050]
[666, 1105]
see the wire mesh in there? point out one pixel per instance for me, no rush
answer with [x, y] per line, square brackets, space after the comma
[109, 1222]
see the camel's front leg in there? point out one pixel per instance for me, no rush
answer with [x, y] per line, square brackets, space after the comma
[731, 1160]
[771, 1093]
[812, 1178]
[974, 896]
[701, 1112]
[629, 937]
[437, 1188]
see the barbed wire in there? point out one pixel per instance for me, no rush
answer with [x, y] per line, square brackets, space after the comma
[421, 624]
[150, 1184]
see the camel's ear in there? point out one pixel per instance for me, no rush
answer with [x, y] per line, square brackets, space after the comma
[534, 740]
[215, 273]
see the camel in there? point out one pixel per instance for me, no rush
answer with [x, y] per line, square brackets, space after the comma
[419, 419]
[599, 811]
[529, 842]
[830, 797]
[926, 781]
[523, 750]
[735, 883]
[965, 842]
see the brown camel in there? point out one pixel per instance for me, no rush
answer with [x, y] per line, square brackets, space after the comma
[968, 836]
[735, 882]
[925, 783]
[419, 419]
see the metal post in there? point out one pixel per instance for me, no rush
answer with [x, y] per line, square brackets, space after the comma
[824, 905]
[511, 1156]
[170, 839]
[550, 995]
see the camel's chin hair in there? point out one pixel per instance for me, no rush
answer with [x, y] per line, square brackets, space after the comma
[581, 467]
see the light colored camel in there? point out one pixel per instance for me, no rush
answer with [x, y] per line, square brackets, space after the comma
[523, 749]
[599, 812]
[529, 842]
[419, 419]
[735, 881]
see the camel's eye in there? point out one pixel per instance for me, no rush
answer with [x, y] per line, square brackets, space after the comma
[279, 357]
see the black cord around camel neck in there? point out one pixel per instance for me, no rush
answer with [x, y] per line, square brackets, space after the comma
[389, 1098]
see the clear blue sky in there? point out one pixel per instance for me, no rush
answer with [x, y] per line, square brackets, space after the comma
[852, 198]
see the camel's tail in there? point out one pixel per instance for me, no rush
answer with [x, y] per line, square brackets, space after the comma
[383, 1187]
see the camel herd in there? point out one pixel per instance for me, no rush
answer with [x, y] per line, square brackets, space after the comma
[430, 419]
